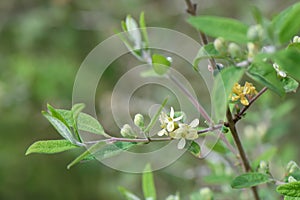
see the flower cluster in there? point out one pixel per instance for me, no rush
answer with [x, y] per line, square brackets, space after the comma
[243, 93]
[175, 129]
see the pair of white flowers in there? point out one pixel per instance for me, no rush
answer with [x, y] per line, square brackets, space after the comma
[171, 126]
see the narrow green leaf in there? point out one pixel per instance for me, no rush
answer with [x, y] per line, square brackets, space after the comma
[265, 74]
[50, 146]
[223, 85]
[102, 150]
[62, 129]
[194, 148]
[286, 24]
[127, 194]
[76, 109]
[54, 112]
[148, 184]
[249, 180]
[110, 150]
[229, 29]
[91, 150]
[290, 189]
[144, 30]
[133, 32]
[160, 64]
[205, 52]
[290, 84]
[155, 118]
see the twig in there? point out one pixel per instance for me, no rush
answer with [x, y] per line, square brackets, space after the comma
[245, 108]
[215, 127]
[236, 138]
[192, 8]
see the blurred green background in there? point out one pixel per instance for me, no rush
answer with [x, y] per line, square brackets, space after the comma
[42, 44]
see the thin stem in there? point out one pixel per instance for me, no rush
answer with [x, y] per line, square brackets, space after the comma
[245, 108]
[192, 10]
[236, 138]
[215, 127]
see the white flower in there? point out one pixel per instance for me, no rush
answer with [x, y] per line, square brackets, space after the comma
[168, 123]
[185, 132]
[279, 72]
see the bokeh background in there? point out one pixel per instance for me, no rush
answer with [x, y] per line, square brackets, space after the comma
[43, 43]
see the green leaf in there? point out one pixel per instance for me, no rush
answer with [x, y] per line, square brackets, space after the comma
[266, 155]
[290, 84]
[148, 184]
[62, 129]
[286, 24]
[127, 194]
[110, 150]
[160, 64]
[205, 52]
[87, 123]
[133, 32]
[144, 30]
[291, 198]
[289, 60]
[102, 150]
[76, 109]
[249, 180]
[223, 85]
[265, 74]
[91, 150]
[50, 146]
[54, 112]
[294, 46]
[194, 148]
[290, 189]
[155, 118]
[229, 29]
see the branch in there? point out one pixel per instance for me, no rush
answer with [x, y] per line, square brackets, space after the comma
[245, 108]
[191, 9]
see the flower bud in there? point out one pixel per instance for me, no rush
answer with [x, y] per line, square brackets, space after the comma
[234, 50]
[263, 167]
[291, 179]
[291, 167]
[220, 45]
[296, 39]
[127, 132]
[252, 49]
[255, 32]
[206, 194]
[139, 121]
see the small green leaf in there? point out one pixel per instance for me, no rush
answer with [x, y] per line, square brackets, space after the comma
[54, 112]
[286, 24]
[160, 64]
[223, 85]
[127, 194]
[91, 150]
[102, 150]
[290, 189]
[290, 84]
[110, 150]
[265, 74]
[227, 28]
[133, 32]
[155, 118]
[144, 30]
[205, 52]
[249, 180]
[76, 109]
[50, 146]
[148, 184]
[194, 148]
[62, 129]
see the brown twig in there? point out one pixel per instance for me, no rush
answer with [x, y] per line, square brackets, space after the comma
[245, 108]
[191, 9]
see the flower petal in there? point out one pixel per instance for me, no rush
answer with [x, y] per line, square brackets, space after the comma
[181, 143]
[192, 135]
[162, 132]
[178, 118]
[172, 113]
[194, 123]
[170, 126]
